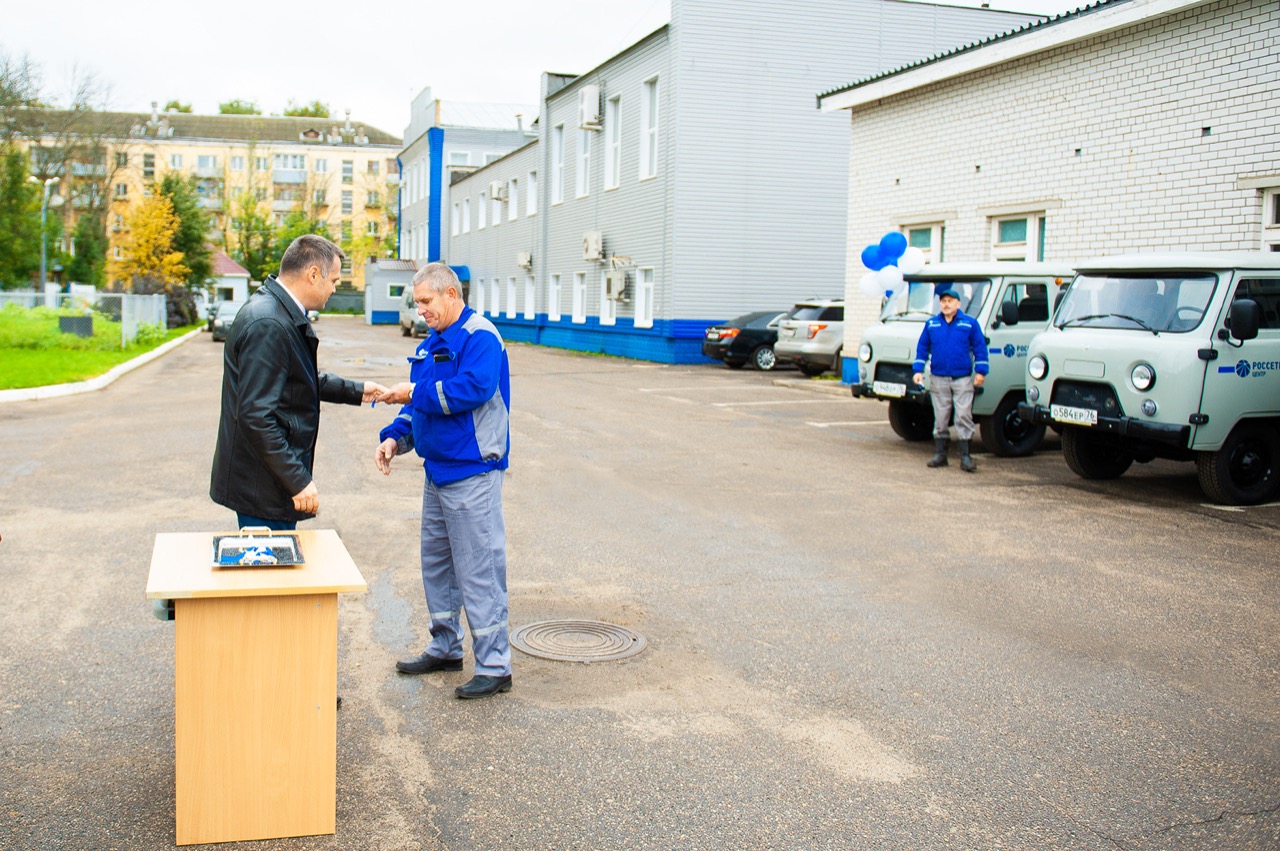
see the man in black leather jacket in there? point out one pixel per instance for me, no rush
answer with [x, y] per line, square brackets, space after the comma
[272, 390]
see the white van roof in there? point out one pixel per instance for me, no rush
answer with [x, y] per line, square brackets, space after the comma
[1207, 260]
[990, 269]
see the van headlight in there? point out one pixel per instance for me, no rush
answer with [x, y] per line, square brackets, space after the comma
[1038, 367]
[864, 353]
[1143, 376]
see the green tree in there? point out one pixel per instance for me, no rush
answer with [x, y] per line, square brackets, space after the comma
[192, 236]
[177, 106]
[253, 238]
[315, 109]
[19, 221]
[239, 107]
[295, 225]
[89, 266]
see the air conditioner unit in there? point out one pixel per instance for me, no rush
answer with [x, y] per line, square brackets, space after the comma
[615, 285]
[592, 245]
[498, 190]
[589, 107]
[524, 260]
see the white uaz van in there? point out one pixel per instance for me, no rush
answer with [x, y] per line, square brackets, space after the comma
[1167, 356]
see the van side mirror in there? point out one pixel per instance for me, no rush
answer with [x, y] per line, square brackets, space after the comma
[1245, 317]
[1009, 313]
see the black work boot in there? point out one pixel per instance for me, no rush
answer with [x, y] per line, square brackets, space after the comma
[966, 463]
[939, 458]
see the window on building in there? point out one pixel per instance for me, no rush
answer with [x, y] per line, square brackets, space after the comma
[457, 219]
[392, 167]
[348, 170]
[149, 166]
[122, 160]
[319, 197]
[583, 173]
[206, 162]
[373, 198]
[346, 201]
[117, 253]
[612, 142]
[644, 298]
[553, 298]
[1019, 237]
[459, 158]
[346, 236]
[260, 193]
[928, 238]
[371, 228]
[1271, 220]
[497, 210]
[530, 298]
[649, 129]
[608, 307]
[466, 216]
[513, 199]
[531, 195]
[237, 163]
[260, 163]
[511, 297]
[557, 164]
[122, 190]
[118, 222]
[279, 219]
[491, 158]
[579, 297]
[477, 296]
[372, 167]
[320, 166]
[494, 297]
[175, 160]
[290, 162]
[346, 260]
[482, 211]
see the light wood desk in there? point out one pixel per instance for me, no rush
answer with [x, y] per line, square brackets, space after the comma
[255, 687]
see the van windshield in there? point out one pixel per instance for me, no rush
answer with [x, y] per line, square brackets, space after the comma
[918, 300]
[1157, 303]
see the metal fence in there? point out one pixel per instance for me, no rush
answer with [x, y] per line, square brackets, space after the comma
[131, 311]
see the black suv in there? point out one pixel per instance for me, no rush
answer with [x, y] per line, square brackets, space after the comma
[747, 339]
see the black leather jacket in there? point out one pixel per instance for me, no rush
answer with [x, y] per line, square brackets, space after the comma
[271, 394]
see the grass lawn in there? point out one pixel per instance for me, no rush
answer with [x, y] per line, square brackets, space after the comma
[34, 354]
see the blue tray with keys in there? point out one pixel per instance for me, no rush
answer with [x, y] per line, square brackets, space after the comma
[257, 546]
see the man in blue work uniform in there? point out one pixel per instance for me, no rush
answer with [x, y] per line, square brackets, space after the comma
[456, 412]
[956, 349]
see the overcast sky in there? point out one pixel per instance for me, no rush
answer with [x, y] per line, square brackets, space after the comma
[371, 58]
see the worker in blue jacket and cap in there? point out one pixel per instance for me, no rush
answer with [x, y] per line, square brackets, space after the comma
[456, 415]
[956, 350]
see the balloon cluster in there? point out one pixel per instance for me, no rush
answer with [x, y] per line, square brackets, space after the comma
[889, 260]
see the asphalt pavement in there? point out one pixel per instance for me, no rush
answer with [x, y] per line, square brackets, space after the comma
[846, 649]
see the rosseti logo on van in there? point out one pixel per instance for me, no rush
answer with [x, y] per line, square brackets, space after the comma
[1257, 369]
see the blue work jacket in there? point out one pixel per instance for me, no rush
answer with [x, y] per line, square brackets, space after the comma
[954, 349]
[458, 419]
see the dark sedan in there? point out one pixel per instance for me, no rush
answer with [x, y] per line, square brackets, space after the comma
[747, 339]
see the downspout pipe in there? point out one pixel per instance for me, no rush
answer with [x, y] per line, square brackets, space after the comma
[435, 152]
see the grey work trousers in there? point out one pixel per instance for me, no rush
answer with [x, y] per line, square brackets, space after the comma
[464, 566]
[947, 393]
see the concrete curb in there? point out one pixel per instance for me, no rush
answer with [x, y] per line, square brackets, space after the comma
[54, 390]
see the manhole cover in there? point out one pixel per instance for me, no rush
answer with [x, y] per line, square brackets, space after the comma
[578, 641]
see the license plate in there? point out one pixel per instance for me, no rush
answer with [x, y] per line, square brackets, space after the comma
[888, 388]
[1079, 416]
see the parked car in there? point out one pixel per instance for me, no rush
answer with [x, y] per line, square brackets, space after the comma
[1011, 302]
[1167, 356]
[812, 336]
[411, 324]
[748, 339]
[223, 318]
[213, 312]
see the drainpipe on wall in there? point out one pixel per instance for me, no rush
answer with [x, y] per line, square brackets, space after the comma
[435, 150]
[400, 208]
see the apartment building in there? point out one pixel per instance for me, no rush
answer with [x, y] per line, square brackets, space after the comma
[1127, 126]
[689, 178]
[342, 173]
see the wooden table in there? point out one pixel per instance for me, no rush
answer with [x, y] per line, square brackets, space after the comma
[255, 687]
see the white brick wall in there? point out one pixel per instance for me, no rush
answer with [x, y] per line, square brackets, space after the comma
[1133, 102]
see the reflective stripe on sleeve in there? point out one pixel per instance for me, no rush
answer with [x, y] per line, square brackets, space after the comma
[444, 403]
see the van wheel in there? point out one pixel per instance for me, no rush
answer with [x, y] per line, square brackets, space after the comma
[406, 332]
[763, 358]
[1091, 458]
[812, 369]
[1006, 434]
[735, 364]
[911, 421]
[1246, 470]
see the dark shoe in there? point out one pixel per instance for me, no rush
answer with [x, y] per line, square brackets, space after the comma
[427, 664]
[939, 458]
[483, 685]
[966, 463]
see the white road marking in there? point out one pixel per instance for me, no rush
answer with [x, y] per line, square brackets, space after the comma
[780, 402]
[857, 423]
